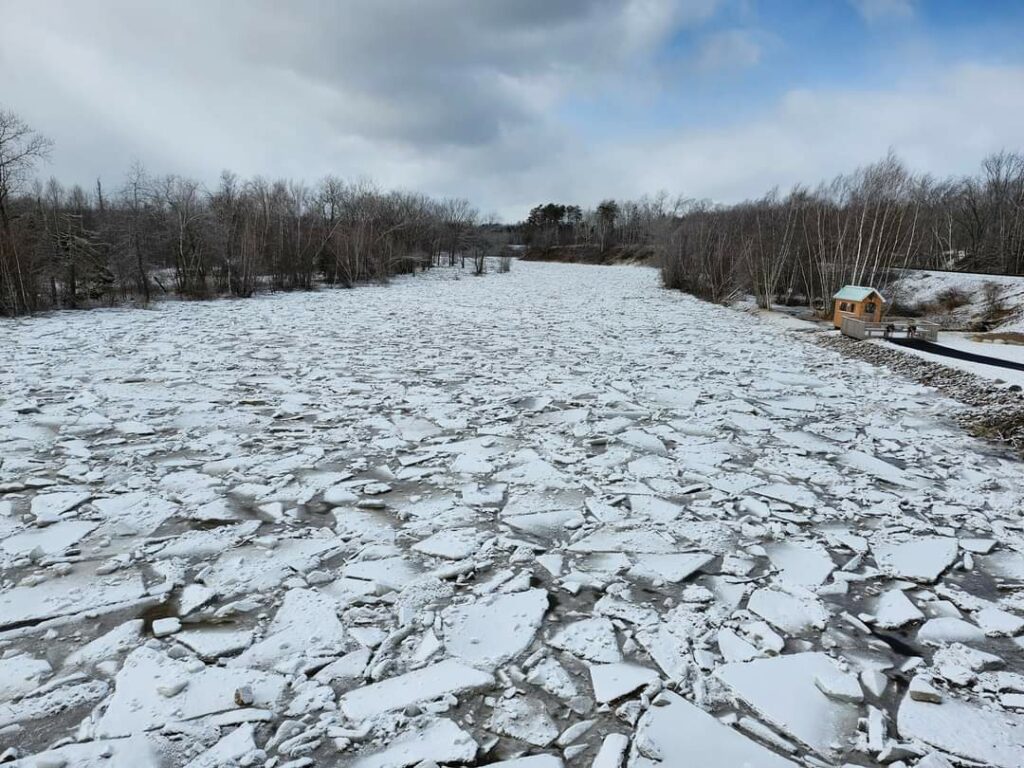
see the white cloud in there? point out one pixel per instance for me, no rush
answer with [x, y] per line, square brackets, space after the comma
[813, 135]
[455, 98]
[729, 50]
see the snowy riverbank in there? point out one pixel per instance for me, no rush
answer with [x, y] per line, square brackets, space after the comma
[555, 512]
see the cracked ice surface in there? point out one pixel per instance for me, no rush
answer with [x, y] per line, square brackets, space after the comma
[557, 517]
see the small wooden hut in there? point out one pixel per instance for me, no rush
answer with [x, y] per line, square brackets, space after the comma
[858, 301]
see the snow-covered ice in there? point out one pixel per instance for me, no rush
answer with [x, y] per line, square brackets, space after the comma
[553, 517]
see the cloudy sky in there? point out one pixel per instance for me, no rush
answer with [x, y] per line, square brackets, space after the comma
[514, 102]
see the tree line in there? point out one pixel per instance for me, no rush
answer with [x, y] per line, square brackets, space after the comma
[69, 247]
[803, 246]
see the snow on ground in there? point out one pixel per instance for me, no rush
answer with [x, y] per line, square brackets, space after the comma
[925, 287]
[968, 342]
[559, 515]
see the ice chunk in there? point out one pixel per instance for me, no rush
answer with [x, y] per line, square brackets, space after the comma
[793, 612]
[883, 470]
[548, 524]
[137, 705]
[305, 625]
[643, 441]
[440, 741]
[672, 568]
[52, 505]
[211, 643]
[804, 713]
[629, 540]
[968, 731]
[454, 544]
[389, 572]
[920, 559]
[675, 732]
[133, 752]
[999, 623]
[613, 681]
[135, 513]
[680, 399]
[654, 508]
[523, 719]
[801, 565]
[415, 429]
[947, 629]
[21, 674]
[735, 648]
[166, 626]
[229, 750]
[339, 495]
[448, 676]
[612, 751]
[590, 639]
[495, 630]
[530, 761]
[65, 596]
[551, 676]
[838, 685]
[250, 569]
[348, 668]
[894, 610]
[791, 494]
[537, 473]
[486, 496]
[51, 540]
[120, 639]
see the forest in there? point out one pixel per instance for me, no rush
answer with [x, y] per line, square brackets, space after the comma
[154, 236]
[161, 235]
[801, 247]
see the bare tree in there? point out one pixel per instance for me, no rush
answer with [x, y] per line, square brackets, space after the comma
[21, 148]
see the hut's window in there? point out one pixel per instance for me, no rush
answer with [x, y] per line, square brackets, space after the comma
[869, 307]
[842, 306]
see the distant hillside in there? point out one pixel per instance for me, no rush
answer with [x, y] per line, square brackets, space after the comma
[592, 254]
[960, 300]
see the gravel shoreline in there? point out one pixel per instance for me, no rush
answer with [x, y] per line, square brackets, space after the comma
[995, 412]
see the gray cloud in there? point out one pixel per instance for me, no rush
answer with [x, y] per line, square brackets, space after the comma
[451, 97]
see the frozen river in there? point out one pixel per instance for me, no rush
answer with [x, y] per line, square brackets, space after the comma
[557, 513]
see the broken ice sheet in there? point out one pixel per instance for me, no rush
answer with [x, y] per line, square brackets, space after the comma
[524, 719]
[922, 558]
[791, 494]
[968, 731]
[893, 610]
[212, 643]
[448, 676]
[71, 594]
[51, 540]
[439, 741]
[794, 611]
[880, 469]
[21, 674]
[451, 544]
[138, 705]
[252, 568]
[138, 750]
[613, 681]
[52, 506]
[675, 729]
[590, 639]
[494, 630]
[801, 565]
[672, 568]
[804, 713]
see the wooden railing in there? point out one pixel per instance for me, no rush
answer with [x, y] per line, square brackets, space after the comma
[906, 327]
